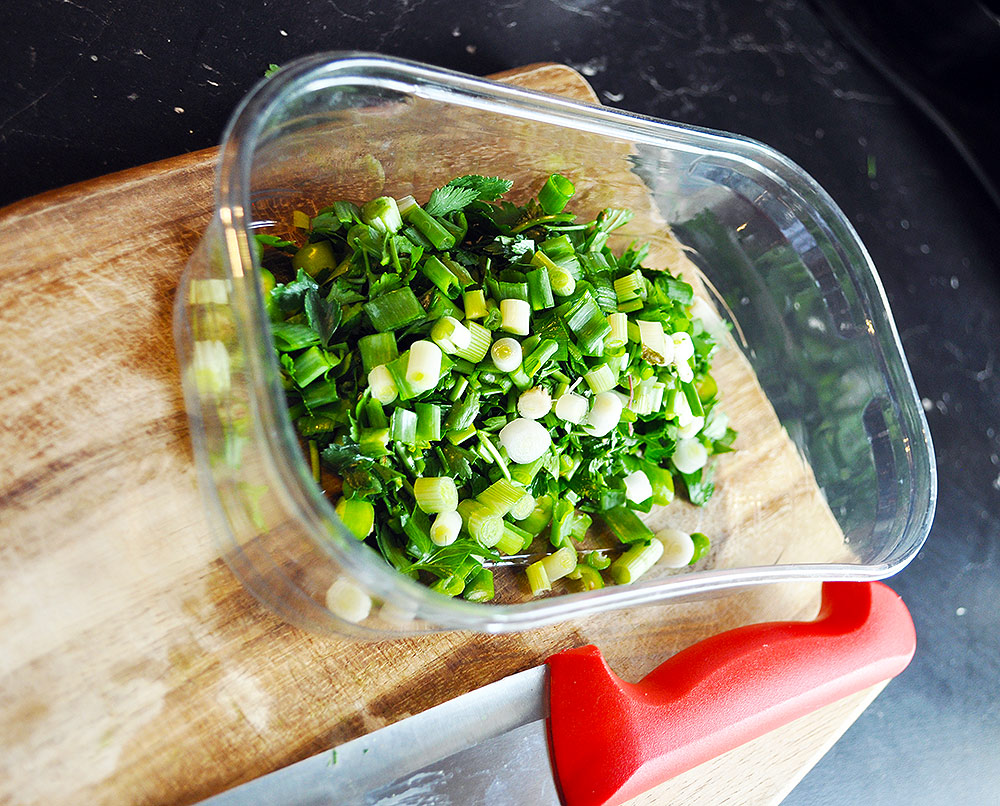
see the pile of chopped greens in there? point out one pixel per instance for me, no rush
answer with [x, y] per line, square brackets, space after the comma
[484, 379]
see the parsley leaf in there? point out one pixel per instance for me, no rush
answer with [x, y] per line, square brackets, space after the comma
[323, 315]
[448, 199]
[488, 188]
[289, 297]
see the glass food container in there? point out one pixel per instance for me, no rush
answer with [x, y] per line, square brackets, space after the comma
[833, 475]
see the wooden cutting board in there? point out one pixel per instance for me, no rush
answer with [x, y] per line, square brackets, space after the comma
[134, 669]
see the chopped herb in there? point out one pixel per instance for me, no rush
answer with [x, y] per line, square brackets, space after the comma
[452, 455]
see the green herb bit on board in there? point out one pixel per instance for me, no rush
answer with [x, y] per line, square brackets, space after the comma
[483, 380]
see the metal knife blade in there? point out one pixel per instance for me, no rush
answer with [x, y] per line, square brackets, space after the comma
[458, 731]
[512, 769]
[574, 730]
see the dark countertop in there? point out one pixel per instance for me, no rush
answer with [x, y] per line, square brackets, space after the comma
[94, 86]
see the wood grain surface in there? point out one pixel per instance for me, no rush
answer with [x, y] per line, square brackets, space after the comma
[134, 669]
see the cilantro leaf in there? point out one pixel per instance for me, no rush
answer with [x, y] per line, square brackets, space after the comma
[448, 199]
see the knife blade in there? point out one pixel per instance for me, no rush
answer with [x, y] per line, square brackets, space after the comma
[572, 733]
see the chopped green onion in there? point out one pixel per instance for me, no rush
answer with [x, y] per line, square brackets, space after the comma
[561, 281]
[525, 440]
[480, 588]
[376, 349]
[403, 426]
[429, 227]
[500, 496]
[449, 586]
[508, 289]
[690, 455]
[523, 507]
[440, 306]
[590, 578]
[638, 487]
[555, 193]
[539, 289]
[647, 397]
[479, 343]
[571, 408]
[662, 482]
[445, 528]
[625, 525]
[525, 473]
[428, 423]
[397, 369]
[475, 304]
[506, 354]
[373, 441]
[310, 365]
[537, 358]
[435, 494]
[693, 401]
[534, 403]
[464, 278]
[629, 288]
[605, 414]
[515, 316]
[510, 542]
[435, 271]
[656, 348]
[480, 522]
[597, 560]
[701, 546]
[489, 452]
[678, 547]
[538, 579]
[560, 563]
[357, 515]
[423, 369]
[618, 335]
[374, 280]
[464, 413]
[394, 310]
[347, 601]
[636, 561]
[540, 517]
[451, 335]
[562, 515]
[601, 379]
[458, 436]
[382, 213]
[588, 323]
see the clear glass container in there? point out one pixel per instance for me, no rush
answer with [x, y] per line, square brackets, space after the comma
[778, 260]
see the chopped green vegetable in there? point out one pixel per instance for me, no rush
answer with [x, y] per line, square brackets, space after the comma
[487, 378]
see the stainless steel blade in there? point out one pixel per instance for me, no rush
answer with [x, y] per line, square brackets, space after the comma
[353, 772]
[512, 769]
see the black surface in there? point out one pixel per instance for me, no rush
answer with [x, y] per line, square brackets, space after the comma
[94, 86]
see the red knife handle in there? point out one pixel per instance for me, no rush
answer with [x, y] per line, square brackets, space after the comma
[613, 740]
